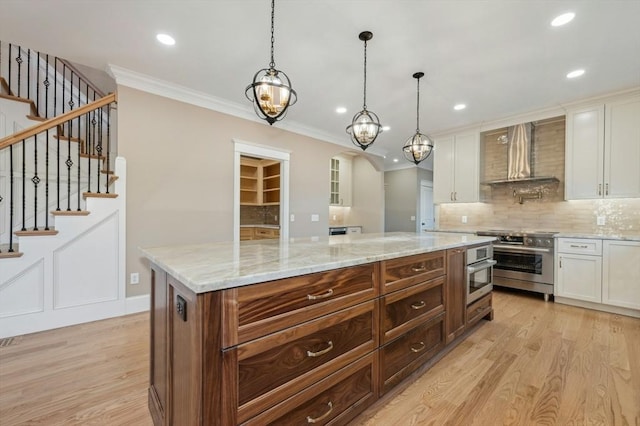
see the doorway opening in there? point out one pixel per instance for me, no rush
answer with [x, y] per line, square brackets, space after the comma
[261, 192]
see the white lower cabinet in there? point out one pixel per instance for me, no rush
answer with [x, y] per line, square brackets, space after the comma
[599, 274]
[621, 273]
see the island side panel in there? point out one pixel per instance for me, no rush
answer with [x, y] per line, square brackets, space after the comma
[159, 347]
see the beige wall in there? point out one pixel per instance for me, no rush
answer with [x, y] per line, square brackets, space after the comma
[401, 199]
[180, 172]
[500, 210]
[368, 199]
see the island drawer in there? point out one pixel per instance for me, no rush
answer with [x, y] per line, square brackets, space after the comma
[260, 309]
[479, 309]
[409, 270]
[404, 355]
[282, 364]
[336, 399]
[404, 309]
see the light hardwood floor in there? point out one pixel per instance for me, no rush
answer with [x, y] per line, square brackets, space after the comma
[536, 363]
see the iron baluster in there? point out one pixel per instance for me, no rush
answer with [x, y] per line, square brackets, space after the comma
[58, 131]
[46, 185]
[10, 195]
[55, 88]
[79, 143]
[69, 163]
[38, 84]
[19, 62]
[28, 73]
[24, 183]
[9, 62]
[99, 147]
[108, 144]
[86, 140]
[46, 93]
[36, 180]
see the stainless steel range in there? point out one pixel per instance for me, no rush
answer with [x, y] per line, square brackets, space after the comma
[524, 260]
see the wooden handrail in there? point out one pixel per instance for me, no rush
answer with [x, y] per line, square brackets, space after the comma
[38, 128]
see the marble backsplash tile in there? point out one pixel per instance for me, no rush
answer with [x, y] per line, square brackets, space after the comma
[259, 215]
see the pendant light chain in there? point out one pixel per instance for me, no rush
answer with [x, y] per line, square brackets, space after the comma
[364, 102]
[418, 108]
[272, 64]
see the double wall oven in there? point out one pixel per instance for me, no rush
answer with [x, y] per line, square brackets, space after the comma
[524, 260]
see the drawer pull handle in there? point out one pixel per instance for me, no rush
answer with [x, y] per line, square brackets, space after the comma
[324, 295]
[419, 268]
[322, 352]
[418, 348]
[579, 246]
[418, 305]
[322, 417]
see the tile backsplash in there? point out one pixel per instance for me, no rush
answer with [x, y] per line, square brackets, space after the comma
[259, 215]
[500, 209]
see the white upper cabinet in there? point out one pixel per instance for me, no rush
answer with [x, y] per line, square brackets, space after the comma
[456, 168]
[603, 151]
[341, 181]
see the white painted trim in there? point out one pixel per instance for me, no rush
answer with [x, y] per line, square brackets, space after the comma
[146, 83]
[261, 151]
[135, 304]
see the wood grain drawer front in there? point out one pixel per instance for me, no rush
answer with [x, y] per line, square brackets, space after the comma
[580, 246]
[407, 271]
[412, 349]
[279, 365]
[269, 307]
[407, 308]
[479, 309]
[336, 399]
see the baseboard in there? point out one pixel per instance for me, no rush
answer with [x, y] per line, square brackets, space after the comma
[137, 304]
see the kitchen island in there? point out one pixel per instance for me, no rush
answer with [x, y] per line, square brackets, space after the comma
[311, 329]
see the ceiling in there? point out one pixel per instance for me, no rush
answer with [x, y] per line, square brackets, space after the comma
[500, 58]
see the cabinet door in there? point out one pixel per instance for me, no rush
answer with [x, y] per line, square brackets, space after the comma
[579, 277]
[621, 274]
[443, 155]
[465, 167]
[346, 184]
[584, 150]
[622, 149]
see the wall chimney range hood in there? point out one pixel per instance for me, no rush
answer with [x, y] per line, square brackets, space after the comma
[519, 170]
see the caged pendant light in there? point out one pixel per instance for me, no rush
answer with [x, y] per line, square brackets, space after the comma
[419, 146]
[365, 125]
[271, 91]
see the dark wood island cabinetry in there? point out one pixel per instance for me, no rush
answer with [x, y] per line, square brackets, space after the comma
[312, 348]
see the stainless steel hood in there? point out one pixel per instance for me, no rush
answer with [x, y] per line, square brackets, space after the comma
[520, 144]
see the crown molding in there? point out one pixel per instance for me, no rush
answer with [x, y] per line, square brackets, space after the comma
[149, 84]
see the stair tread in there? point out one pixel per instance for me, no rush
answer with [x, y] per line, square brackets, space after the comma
[9, 254]
[107, 172]
[99, 195]
[99, 157]
[36, 118]
[39, 232]
[70, 212]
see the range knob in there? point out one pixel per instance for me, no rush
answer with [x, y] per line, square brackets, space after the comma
[529, 241]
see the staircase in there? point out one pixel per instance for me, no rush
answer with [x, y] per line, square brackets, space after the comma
[62, 204]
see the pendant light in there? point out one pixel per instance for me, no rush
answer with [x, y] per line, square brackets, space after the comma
[365, 125]
[419, 146]
[271, 91]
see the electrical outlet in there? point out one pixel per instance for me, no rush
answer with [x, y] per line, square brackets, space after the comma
[135, 278]
[293, 217]
[464, 219]
[413, 218]
[315, 218]
[276, 218]
[601, 220]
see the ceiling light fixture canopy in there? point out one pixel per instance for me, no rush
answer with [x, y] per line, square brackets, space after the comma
[419, 146]
[365, 125]
[271, 91]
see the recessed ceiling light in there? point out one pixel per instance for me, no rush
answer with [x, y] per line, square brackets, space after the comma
[575, 73]
[459, 107]
[395, 160]
[341, 110]
[386, 128]
[166, 39]
[560, 20]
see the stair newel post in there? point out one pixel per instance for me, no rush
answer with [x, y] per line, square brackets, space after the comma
[35, 180]
[24, 184]
[46, 184]
[10, 196]
[108, 144]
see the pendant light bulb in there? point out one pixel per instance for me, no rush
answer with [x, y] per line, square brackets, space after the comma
[419, 146]
[271, 91]
[365, 125]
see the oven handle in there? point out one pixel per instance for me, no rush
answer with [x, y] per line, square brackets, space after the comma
[480, 266]
[521, 249]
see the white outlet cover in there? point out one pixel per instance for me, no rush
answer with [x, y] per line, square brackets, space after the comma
[601, 220]
[464, 219]
[413, 218]
[293, 217]
[315, 218]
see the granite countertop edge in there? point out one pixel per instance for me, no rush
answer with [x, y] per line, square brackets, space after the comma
[219, 266]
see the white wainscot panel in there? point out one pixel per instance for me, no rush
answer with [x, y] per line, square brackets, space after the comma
[24, 293]
[80, 279]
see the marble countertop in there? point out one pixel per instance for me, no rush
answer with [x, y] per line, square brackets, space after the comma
[217, 266]
[621, 237]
